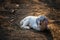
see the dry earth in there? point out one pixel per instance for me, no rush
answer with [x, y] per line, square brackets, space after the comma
[9, 22]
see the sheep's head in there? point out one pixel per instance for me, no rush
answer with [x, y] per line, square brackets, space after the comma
[43, 24]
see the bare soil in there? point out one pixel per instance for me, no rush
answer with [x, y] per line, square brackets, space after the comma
[10, 27]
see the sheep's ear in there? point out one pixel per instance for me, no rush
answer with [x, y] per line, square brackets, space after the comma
[37, 20]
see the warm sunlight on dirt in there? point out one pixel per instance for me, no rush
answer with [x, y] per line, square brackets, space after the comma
[11, 13]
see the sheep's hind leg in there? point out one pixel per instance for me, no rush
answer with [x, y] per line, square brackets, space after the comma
[24, 26]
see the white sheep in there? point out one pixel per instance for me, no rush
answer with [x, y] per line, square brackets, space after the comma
[38, 23]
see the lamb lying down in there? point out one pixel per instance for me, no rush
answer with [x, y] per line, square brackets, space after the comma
[38, 23]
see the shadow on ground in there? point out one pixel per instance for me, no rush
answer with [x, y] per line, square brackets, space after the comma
[47, 33]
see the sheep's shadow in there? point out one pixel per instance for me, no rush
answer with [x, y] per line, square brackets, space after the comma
[46, 33]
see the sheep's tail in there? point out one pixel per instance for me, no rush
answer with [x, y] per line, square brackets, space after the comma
[21, 22]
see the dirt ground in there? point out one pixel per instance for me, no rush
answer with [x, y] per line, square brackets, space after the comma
[10, 17]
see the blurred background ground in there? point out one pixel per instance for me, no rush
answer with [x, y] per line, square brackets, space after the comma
[12, 11]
